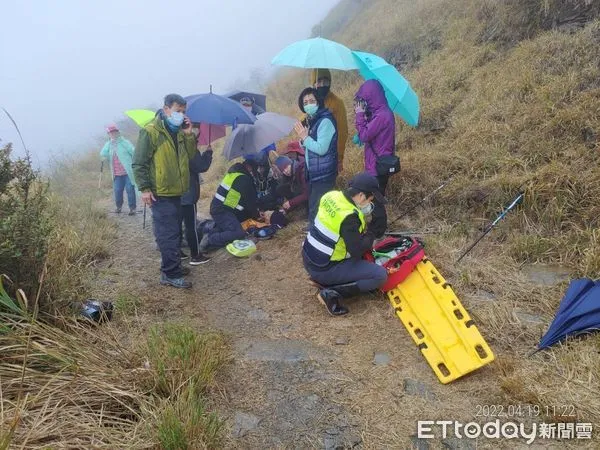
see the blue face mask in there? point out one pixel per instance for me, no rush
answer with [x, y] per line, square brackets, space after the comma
[175, 119]
[311, 109]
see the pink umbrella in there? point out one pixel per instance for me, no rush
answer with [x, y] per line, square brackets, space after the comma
[210, 133]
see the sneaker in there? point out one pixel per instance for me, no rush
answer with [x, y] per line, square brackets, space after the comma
[132, 212]
[175, 282]
[200, 259]
[118, 210]
[203, 246]
[183, 255]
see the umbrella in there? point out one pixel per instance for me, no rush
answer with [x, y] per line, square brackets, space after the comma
[578, 312]
[210, 133]
[260, 100]
[400, 96]
[268, 128]
[316, 53]
[216, 110]
[207, 133]
[140, 116]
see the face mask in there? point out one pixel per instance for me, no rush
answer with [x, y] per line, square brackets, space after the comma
[175, 119]
[322, 91]
[311, 109]
[368, 209]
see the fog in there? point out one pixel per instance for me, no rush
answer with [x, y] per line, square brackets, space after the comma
[70, 67]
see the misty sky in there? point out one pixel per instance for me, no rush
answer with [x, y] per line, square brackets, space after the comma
[69, 67]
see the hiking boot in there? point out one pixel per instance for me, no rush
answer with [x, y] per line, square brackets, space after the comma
[203, 245]
[330, 299]
[132, 211]
[200, 259]
[346, 290]
[175, 282]
[183, 255]
[118, 210]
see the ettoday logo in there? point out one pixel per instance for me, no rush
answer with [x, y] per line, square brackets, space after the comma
[430, 429]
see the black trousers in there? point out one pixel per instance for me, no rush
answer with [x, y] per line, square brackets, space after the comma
[166, 219]
[189, 226]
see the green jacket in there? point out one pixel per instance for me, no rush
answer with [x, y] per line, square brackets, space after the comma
[157, 166]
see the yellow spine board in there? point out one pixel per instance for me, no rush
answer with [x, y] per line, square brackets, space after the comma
[438, 323]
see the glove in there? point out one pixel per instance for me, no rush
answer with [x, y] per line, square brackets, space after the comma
[356, 140]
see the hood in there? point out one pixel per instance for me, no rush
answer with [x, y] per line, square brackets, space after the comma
[239, 168]
[315, 74]
[372, 92]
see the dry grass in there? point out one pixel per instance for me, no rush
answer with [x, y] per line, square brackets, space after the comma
[80, 387]
[70, 385]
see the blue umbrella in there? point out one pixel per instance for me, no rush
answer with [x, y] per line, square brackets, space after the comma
[216, 109]
[578, 312]
[400, 96]
[316, 53]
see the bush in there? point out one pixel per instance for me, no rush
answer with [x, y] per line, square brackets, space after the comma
[25, 223]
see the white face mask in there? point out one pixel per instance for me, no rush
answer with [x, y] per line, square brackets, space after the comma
[367, 209]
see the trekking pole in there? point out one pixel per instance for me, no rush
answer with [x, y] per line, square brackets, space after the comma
[144, 221]
[518, 199]
[410, 232]
[101, 170]
[412, 208]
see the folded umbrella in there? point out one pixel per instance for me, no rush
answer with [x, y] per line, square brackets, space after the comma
[400, 96]
[268, 128]
[316, 53]
[216, 110]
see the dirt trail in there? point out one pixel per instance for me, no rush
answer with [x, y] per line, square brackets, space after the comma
[300, 378]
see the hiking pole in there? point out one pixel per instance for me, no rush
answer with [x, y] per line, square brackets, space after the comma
[410, 232]
[101, 170]
[518, 199]
[144, 221]
[412, 208]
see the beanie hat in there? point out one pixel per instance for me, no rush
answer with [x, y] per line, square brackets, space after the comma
[282, 162]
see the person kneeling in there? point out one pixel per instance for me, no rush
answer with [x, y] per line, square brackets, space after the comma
[337, 240]
[234, 202]
[292, 184]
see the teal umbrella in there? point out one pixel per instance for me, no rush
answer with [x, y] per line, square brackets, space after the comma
[400, 96]
[316, 53]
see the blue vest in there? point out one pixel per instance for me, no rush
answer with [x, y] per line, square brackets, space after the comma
[322, 168]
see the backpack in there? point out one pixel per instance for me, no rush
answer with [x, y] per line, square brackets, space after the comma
[399, 255]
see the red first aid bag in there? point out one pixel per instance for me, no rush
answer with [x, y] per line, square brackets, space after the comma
[399, 255]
